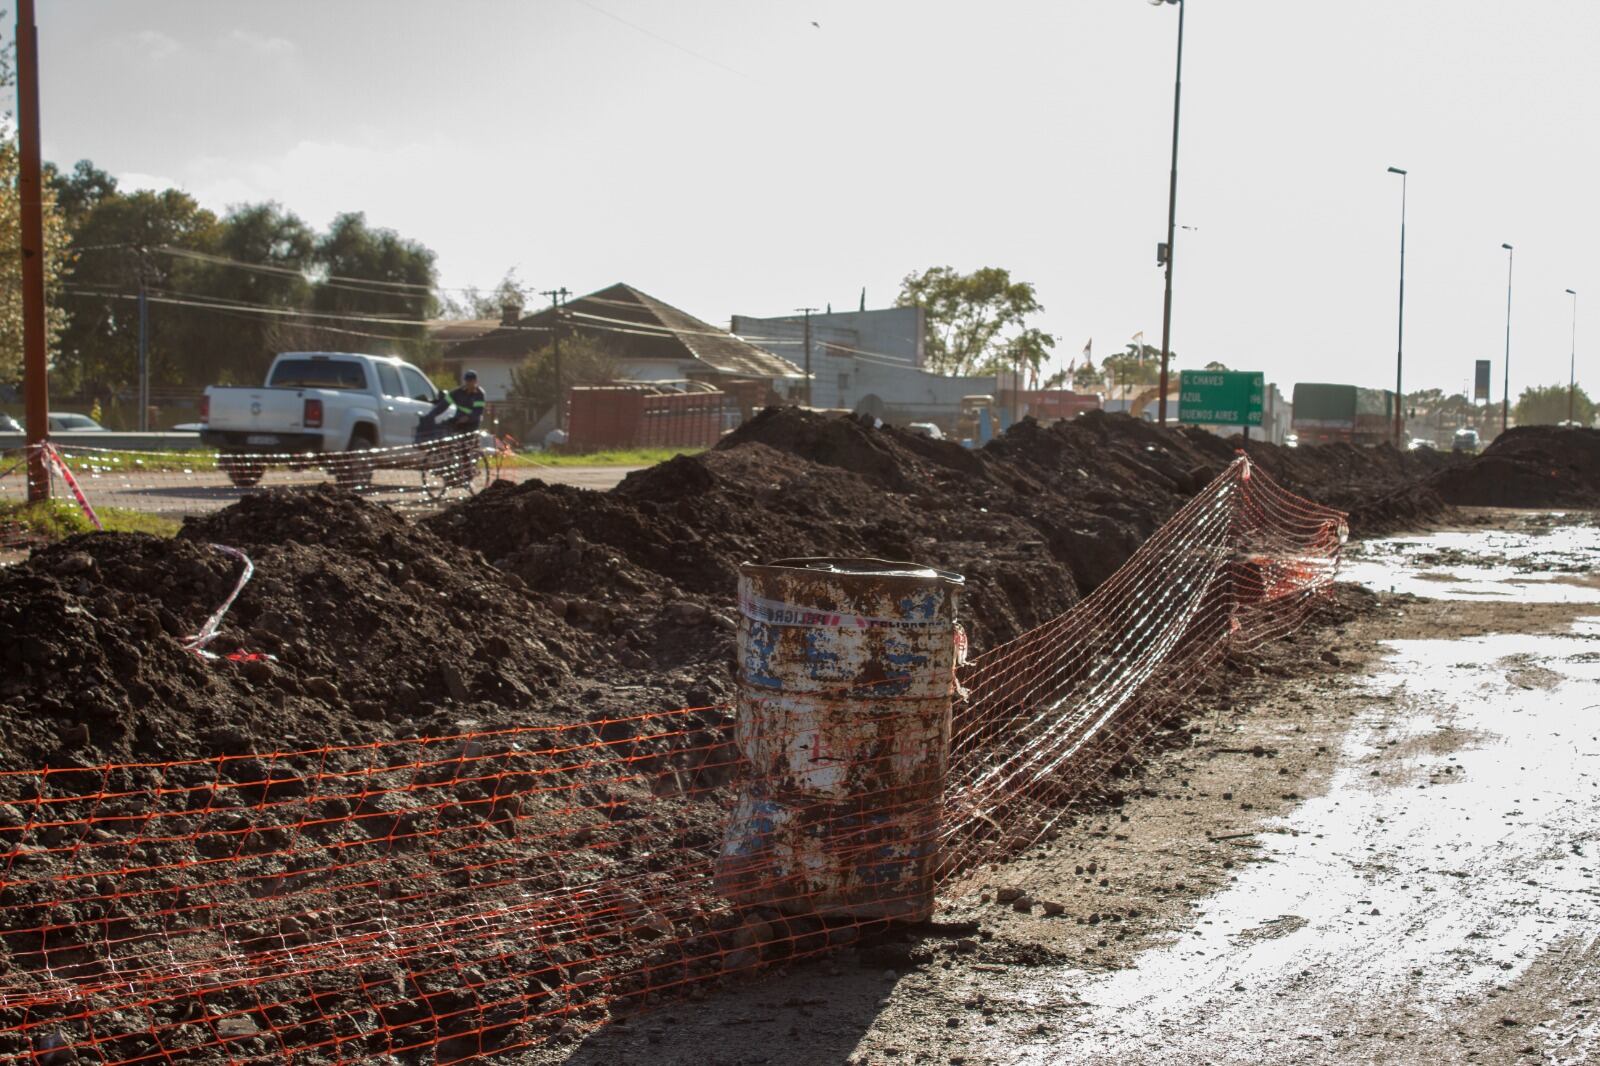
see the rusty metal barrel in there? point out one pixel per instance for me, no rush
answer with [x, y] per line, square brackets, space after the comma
[846, 675]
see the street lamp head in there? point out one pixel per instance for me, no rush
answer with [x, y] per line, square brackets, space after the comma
[1507, 247]
[1572, 292]
[1158, 3]
[1396, 170]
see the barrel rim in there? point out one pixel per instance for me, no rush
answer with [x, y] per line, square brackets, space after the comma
[867, 567]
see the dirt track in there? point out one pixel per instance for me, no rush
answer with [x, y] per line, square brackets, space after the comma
[1390, 858]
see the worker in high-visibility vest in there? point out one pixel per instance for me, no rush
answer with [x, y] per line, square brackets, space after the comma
[469, 402]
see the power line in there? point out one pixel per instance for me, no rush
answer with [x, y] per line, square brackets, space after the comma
[243, 313]
[311, 278]
[665, 40]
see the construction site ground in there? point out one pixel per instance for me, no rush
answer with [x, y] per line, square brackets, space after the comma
[1379, 848]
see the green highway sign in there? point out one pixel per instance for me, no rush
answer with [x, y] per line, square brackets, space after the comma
[1220, 397]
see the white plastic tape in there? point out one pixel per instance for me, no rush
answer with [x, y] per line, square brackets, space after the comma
[208, 632]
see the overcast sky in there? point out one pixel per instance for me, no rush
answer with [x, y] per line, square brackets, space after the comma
[730, 156]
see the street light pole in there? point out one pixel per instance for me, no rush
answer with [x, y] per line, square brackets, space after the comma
[1572, 373]
[1505, 398]
[1400, 344]
[806, 311]
[1172, 220]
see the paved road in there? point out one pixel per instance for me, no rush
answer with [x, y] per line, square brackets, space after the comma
[178, 493]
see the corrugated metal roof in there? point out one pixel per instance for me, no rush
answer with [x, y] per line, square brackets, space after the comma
[636, 326]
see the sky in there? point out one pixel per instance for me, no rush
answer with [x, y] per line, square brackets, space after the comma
[755, 156]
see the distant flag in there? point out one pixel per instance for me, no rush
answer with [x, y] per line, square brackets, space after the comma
[1072, 367]
[1138, 344]
[1088, 357]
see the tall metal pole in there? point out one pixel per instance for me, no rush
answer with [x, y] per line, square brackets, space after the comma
[1505, 399]
[36, 388]
[144, 352]
[807, 343]
[1400, 345]
[1572, 372]
[1172, 224]
[557, 325]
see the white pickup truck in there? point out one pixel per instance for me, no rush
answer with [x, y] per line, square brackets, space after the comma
[315, 402]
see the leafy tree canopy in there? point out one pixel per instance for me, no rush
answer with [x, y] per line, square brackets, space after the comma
[584, 361]
[1546, 405]
[1137, 365]
[977, 322]
[226, 293]
[473, 302]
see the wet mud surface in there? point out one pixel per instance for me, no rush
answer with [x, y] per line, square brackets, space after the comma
[1388, 858]
[547, 605]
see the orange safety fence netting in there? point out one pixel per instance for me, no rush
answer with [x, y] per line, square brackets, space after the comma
[452, 897]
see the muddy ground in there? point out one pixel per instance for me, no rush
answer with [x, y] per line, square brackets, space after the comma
[1148, 961]
[539, 605]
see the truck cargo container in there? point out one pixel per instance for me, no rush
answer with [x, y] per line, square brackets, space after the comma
[1347, 414]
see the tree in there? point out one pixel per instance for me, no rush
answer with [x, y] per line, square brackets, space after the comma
[1216, 366]
[80, 191]
[978, 321]
[1139, 365]
[1546, 405]
[1088, 376]
[475, 303]
[121, 237]
[376, 273]
[584, 361]
[57, 264]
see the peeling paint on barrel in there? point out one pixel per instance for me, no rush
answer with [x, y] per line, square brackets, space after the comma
[845, 683]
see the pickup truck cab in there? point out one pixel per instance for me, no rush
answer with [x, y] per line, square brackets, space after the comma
[315, 402]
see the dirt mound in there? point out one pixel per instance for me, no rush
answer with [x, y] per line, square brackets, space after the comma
[1032, 520]
[1530, 466]
[356, 625]
[658, 558]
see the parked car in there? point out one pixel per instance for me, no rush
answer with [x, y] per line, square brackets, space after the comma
[1420, 444]
[926, 429]
[1465, 441]
[66, 421]
[1292, 440]
[9, 424]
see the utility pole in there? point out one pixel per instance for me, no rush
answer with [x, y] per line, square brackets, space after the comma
[1572, 379]
[807, 343]
[36, 388]
[1505, 399]
[144, 348]
[1172, 222]
[1400, 343]
[558, 297]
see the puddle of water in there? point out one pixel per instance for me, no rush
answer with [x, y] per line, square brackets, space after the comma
[1530, 564]
[1450, 872]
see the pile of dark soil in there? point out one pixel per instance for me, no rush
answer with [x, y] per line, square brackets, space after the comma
[1530, 466]
[357, 625]
[1036, 519]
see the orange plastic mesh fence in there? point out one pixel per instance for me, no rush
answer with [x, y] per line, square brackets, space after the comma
[444, 898]
[411, 475]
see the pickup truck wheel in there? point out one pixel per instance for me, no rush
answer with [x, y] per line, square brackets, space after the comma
[244, 471]
[352, 471]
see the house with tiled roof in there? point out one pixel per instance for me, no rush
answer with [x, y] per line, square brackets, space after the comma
[651, 341]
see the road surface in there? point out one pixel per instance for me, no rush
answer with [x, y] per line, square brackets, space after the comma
[179, 493]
